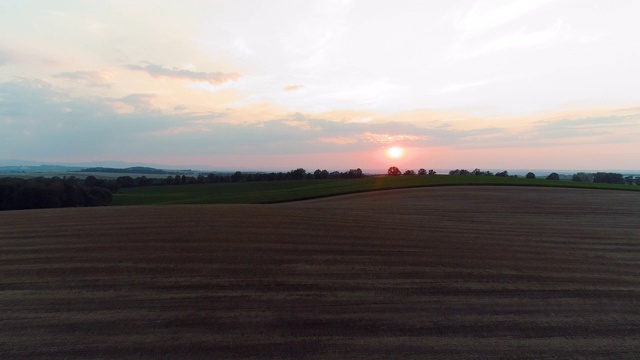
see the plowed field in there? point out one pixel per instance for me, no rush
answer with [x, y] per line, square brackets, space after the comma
[451, 272]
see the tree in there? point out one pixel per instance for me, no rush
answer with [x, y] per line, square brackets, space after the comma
[582, 177]
[422, 172]
[530, 175]
[140, 181]
[553, 176]
[237, 176]
[628, 180]
[394, 171]
[459, 172]
[502, 173]
[125, 181]
[608, 178]
[431, 172]
[91, 181]
[298, 174]
[410, 172]
[353, 174]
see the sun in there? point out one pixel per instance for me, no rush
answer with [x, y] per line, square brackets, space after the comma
[395, 152]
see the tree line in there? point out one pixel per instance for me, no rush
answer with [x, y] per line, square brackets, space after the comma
[605, 178]
[55, 192]
[505, 173]
[598, 177]
[40, 193]
[238, 176]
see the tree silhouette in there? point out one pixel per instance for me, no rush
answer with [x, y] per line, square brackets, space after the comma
[553, 176]
[394, 171]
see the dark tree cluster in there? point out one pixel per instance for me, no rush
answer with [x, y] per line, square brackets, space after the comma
[18, 193]
[478, 172]
[297, 174]
[238, 176]
[394, 171]
[630, 180]
[608, 178]
[40, 192]
[582, 177]
[605, 178]
[553, 176]
[475, 172]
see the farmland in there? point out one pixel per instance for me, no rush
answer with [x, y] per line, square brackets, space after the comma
[292, 190]
[436, 272]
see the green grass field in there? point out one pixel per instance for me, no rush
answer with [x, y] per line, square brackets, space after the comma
[283, 191]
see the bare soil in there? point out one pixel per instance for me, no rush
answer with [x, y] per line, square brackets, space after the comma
[452, 272]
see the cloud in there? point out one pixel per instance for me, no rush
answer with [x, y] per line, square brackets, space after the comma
[385, 139]
[478, 20]
[6, 57]
[522, 38]
[91, 78]
[180, 130]
[604, 128]
[460, 86]
[301, 122]
[339, 140]
[41, 121]
[131, 103]
[26, 57]
[293, 87]
[302, 125]
[213, 78]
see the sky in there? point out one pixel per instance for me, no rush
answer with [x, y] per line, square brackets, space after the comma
[278, 85]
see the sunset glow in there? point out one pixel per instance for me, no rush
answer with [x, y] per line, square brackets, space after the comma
[395, 152]
[230, 84]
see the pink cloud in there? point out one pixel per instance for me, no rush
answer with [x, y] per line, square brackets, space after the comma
[338, 140]
[293, 87]
[213, 78]
[388, 139]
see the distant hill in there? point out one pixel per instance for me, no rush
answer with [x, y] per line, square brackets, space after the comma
[129, 170]
[37, 169]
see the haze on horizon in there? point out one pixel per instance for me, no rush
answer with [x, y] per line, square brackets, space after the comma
[322, 84]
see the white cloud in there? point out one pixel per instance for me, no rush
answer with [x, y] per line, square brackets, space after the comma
[479, 20]
[458, 87]
[366, 68]
[91, 78]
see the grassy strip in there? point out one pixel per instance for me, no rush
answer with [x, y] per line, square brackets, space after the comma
[283, 191]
